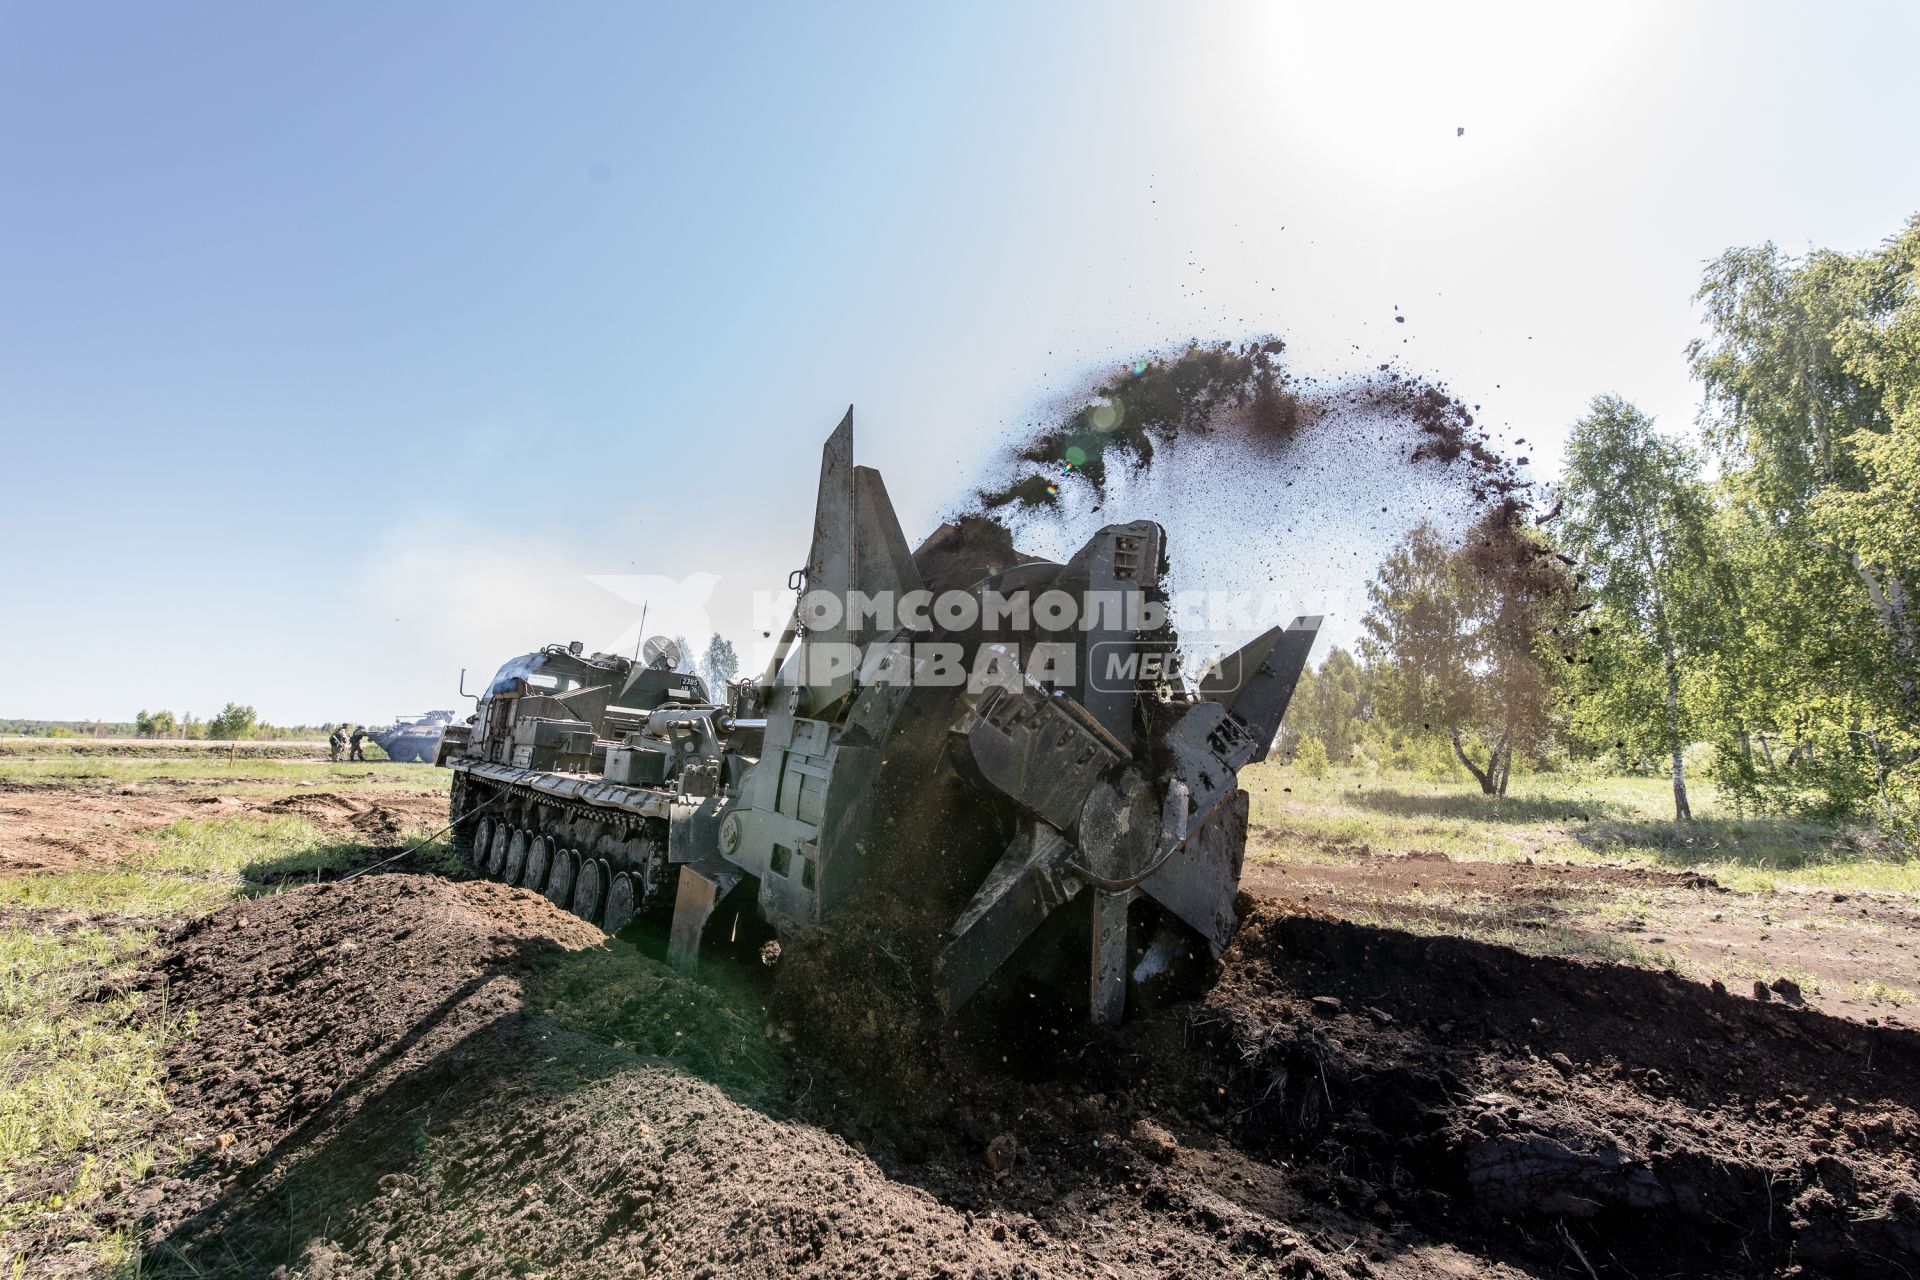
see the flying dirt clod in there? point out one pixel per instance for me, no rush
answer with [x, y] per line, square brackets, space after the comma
[1073, 818]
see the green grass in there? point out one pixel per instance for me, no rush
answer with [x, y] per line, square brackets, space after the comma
[244, 776]
[83, 1054]
[84, 1064]
[1879, 992]
[194, 866]
[1562, 818]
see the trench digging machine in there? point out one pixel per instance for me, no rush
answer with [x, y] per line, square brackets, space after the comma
[1031, 775]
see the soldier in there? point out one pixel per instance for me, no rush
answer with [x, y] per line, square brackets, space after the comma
[337, 743]
[359, 736]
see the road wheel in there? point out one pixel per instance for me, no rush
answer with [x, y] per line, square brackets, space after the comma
[482, 839]
[589, 890]
[516, 857]
[560, 879]
[497, 849]
[620, 903]
[539, 859]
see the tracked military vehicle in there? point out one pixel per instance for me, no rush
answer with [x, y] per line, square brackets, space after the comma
[1001, 747]
[413, 739]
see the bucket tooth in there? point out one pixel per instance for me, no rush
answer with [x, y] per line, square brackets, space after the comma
[1256, 682]
[1197, 885]
[1019, 893]
[1107, 988]
[700, 890]
[1122, 563]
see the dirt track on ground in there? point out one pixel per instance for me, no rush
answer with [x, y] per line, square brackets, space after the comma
[400, 1075]
[57, 826]
[1847, 939]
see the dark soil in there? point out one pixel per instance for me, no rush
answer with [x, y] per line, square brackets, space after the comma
[1535, 1105]
[399, 1075]
[1242, 395]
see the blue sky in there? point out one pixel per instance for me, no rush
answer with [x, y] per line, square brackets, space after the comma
[342, 347]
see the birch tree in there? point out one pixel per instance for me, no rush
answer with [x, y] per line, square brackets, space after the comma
[1639, 519]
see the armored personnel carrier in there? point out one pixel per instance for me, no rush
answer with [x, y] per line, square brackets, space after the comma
[999, 746]
[413, 739]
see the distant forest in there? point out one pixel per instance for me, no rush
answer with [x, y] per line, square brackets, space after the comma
[233, 722]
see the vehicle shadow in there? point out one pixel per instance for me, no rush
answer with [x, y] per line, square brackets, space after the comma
[1778, 844]
[1472, 805]
[346, 859]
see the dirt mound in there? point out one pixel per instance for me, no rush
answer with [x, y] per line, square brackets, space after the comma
[301, 996]
[861, 987]
[402, 1075]
[1417, 1101]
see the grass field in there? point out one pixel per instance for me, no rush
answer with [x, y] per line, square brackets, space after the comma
[83, 1044]
[256, 775]
[1567, 818]
[193, 866]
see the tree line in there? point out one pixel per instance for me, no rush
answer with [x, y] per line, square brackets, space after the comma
[235, 722]
[1752, 588]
